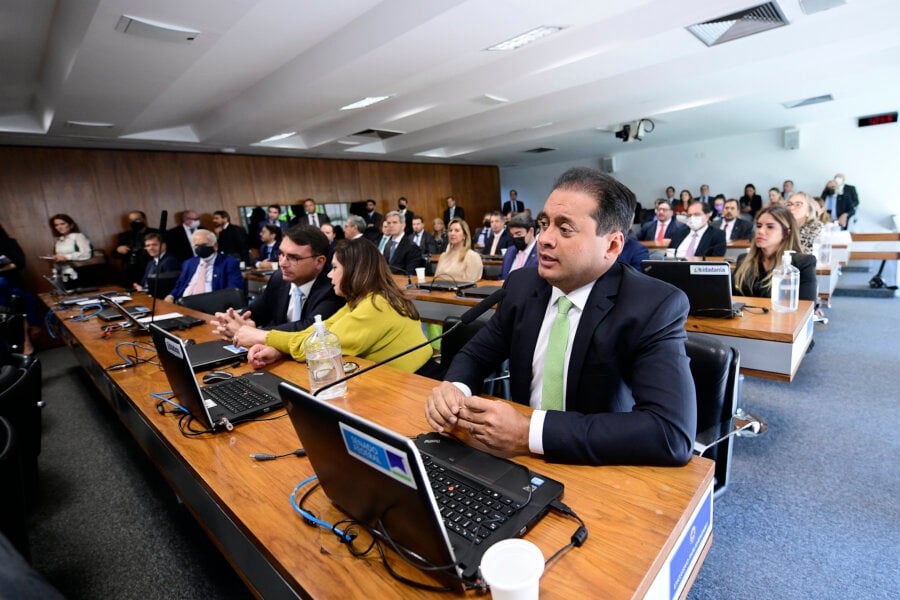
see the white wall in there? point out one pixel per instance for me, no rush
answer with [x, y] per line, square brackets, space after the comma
[869, 156]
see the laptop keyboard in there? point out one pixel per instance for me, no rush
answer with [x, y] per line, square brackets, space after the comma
[238, 395]
[469, 509]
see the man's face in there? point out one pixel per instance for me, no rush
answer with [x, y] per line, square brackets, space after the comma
[402, 203]
[418, 225]
[309, 206]
[730, 211]
[788, 186]
[831, 188]
[704, 190]
[496, 223]
[274, 213]
[266, 236]
[394, 227]
[350, 229]
[451, 202]
[663, 212]
[200, 239]
[521, 232]
[694, 210]
[570, 253]
[670, 193]
[152, 246]
[370, 206]
[513, 195]
[297, 262]
[135, 216]
[190, 219]
[219, 220]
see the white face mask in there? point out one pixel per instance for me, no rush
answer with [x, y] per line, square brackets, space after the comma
[839, 180]
[695, 223]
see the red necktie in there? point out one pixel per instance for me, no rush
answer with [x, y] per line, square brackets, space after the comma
[661, 232]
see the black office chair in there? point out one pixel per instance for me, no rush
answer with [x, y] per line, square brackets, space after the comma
[13, 515]
[453, 343]
[716, 371]
[20, 404]
[217, 301]
[492, 272]
[160, 285]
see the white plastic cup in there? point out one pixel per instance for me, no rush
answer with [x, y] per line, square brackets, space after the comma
[513, 569]
[420, 274]
[502, 251]
[670, 252]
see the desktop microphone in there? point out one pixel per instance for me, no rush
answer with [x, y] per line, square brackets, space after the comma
[464, 319]
[400, 271]
[154, 288]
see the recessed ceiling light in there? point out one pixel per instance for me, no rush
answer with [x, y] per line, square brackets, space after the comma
[348, 142]
[526, 38]
[278, 138]
[365, 102]
[229, 150]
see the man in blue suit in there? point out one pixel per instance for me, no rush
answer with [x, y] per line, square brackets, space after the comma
[160, 262]
[209, 271]
[596, 348]
[523, 252]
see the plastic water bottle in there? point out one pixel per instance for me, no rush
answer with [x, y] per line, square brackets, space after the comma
[324, 361]
[785, 285]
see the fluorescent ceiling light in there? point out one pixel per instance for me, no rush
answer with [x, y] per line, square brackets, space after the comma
[526, 38]
[278, 138]
[89, 124]
[496, 98]
[348, 142]
[365, 102]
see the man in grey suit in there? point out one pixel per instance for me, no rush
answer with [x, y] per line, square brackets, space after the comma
[587, 339]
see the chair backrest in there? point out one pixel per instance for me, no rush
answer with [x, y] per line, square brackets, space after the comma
[160, 285]
[453, 343]
[217, 301]
[715, 369]
[492, 271]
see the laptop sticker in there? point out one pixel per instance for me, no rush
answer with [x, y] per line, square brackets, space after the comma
[377, 455]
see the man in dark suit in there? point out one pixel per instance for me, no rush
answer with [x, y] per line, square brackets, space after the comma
[373, 222]
[663, 228]
[270, 235]
[297, 292]
[423, 239]
[407, 214]
[160, 261]
[523, 253]
[311, 215]
[841, 200]
[453, 211]
[498, 237]
[232, 238]
[209, 271]
[618, 335]
[513, 205]
[699, 239]
[400, 251]
[178, 239]
[633, 252]
[130, 247]
[732, 225]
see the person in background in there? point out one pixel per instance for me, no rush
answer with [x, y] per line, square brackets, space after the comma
[734, 227]
[312, 215]
[354, 227]
[159, 262]
[70, 245]
[718, 205]
[453, 211]
[775, 197]
[776, 232]
[377, 322]
[328, 230]
[806, 217]
[498, 237]
[130, 248]
[459, 262]
[232, 239]
[481, 232]
[12, 265]
[670, 196]
[209, 271]
[839, 200]
[823, 213]
[270, 235]
[699, 239]
[704, 194]
[684, 200]
[401, 253]
[407, 214]
[439, 233]
[179, 239]
[513, 205]
[373, 219]
[523, 253]
[787, 189]
[273, 217]
[750, 203]
[664, 228]
[423, 239]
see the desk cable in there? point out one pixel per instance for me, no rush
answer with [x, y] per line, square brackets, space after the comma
[262, 456]
[83, 316]
[578, 538]
[135, 359]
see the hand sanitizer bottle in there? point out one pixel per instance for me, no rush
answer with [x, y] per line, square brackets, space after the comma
[785, 285]
[324, 361]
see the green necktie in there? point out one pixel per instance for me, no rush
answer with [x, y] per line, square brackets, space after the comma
[555, 361]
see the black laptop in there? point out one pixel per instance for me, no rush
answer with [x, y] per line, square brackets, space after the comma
[218, 405]
[706, 284]
[445, 285]
[482, 291]
[142, 323]
[444, 502]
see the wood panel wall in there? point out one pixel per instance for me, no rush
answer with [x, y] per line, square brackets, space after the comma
[99, 187]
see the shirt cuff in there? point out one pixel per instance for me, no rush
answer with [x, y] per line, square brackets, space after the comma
[463, 388]
[536, 432]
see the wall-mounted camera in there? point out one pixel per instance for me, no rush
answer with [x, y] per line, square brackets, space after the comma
[635, 130]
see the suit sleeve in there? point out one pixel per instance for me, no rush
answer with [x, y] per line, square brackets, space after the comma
[660, 428]
[233, 277]
[806, 264]
[413, 257]
[717, 244]
[187, 271]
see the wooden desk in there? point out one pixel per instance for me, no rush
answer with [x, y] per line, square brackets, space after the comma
[772, 345]
[827, 277]
[637, 517]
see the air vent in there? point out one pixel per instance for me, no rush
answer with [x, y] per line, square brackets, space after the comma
[377, 134]
[153, 30]
[808, 101]
[740, 24]
[541, 150]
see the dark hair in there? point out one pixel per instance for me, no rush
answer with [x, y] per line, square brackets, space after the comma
[522, 221]
[3, 234]
[496, 213]
[274, 206]
[67, 219]
[153, 236]
[140, 212]
[615, 202]
[688, 192]
[307, 235]
[224, 214]
[703, 205]
[735, 200]
[749, 185]
[752, 265]
[273, 229]
[367, 272]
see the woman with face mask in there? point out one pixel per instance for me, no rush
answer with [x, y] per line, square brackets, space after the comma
[718, 206]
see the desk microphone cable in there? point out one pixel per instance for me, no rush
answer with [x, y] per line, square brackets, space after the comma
[578, 538]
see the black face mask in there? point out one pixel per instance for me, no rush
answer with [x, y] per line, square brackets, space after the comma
[402, 206]
[830, 192]
[205, 251]
[520, 243]
[487, 223]
[137, 225]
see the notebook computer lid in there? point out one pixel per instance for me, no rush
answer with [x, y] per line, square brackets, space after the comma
[706, 284]
[173, 357]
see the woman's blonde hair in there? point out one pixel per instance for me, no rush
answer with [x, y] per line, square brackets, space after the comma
[466, 243]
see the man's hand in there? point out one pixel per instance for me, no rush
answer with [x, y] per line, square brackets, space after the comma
[247, 336]
[443, 405]
[229, 322]
[260, 356]
[169, 298]
[842, 220]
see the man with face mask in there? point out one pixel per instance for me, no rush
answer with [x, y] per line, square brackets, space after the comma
[841, 200]
[209, 271]
[130, 248]
[699, 240]
[523, 252]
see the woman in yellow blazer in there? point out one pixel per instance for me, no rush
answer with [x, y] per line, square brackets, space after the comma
[377, 322]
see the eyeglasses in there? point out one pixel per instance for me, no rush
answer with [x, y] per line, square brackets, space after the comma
[294, 259]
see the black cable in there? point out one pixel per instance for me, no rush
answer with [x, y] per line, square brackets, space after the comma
[578, 538]
[261, 456]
